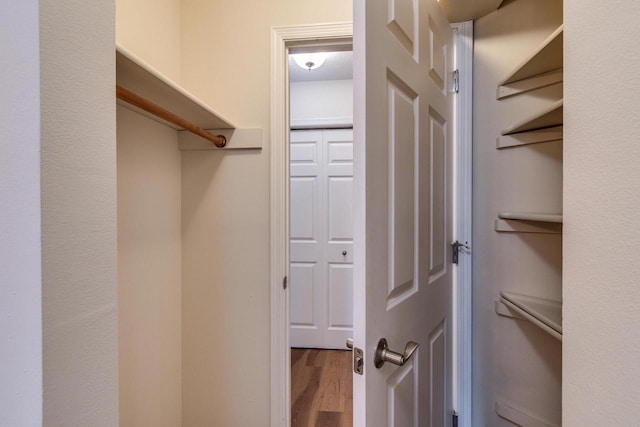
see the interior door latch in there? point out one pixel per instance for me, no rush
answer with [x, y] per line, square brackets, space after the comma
[455, 246]
[358, 357]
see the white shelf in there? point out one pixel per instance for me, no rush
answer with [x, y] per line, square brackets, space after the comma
[552, 134]
[540, 217]
[545, 314]
[547, 118]
[542, 68]
[139, 77]
[519, 416]
[520, 226]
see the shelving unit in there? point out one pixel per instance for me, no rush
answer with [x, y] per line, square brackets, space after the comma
[138, 81]
[542, 68]
[540, 217]
[537, 123]
[545, 314]
[551, 134]
[519, 416]
[551, 117]
[135, 75]
[528, 222]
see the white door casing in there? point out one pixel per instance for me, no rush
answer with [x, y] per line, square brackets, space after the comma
[321, 269]
[403, 111]
[282, 38]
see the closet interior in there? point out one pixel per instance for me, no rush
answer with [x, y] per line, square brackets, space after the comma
[517, 223]
[156, 120]
[517, 215]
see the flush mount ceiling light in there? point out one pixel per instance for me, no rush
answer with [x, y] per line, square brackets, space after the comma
[310, 61]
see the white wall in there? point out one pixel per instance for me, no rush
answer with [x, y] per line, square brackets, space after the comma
[514, 361]
[149, 272]
[225, 60]
[78, 178]
[601, 347]
[151, 30]
[20, 273]
[321, 104]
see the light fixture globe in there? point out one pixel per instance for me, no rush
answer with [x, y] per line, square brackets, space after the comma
[310, 61]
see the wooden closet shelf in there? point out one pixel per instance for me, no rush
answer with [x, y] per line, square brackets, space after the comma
[531, 216]
[552, 134]
[519, 416]
[527, 226]
[545, 314]
[551, 117]
[141, 79]
[540, 69]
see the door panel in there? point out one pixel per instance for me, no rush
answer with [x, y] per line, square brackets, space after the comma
[302, 314]
[402, 214]
[340, 306]
[437, 199]
[402, 396]
[303, 214]
[306, 271]
[402, 22]
[437, 380]
[321, 193]
[402, 183]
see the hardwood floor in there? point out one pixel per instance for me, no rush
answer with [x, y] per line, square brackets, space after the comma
[321, 388]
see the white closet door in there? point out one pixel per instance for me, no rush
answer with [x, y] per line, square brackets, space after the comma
[321, 277]
[338, 248]
[403, 50]
[306, 272]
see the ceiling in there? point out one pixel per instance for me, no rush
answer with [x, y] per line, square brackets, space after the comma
[337, 66]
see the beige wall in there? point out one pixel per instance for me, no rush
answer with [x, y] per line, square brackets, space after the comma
[151, 30]
[601, 347]
[601, 316]
[78, 179]
[149, 272]
[20, 273]
[149, 233]
[226, 60]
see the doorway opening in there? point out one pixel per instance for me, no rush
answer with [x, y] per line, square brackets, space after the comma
[321, 235]
[335, 37]
[319, 38]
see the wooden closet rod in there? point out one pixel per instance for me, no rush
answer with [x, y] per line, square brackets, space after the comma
[148, 106]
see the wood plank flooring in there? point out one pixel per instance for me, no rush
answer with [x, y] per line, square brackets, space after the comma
[321, 388]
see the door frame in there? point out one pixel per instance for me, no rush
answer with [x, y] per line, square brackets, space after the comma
[463, 220]
[319, 35]
[282, 39]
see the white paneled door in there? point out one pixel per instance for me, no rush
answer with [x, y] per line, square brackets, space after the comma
[321, 221]
[403, 51]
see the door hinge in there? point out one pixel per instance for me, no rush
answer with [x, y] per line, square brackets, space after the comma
[456, 81]
[455, 250]
[454, 419]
